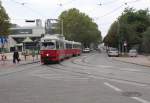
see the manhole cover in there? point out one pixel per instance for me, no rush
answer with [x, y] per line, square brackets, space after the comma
[131, 94]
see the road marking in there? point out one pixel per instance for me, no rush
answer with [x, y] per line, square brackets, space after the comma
[113, 87]
[119, 90]
[128, 82]
[119, 81]
[130, 69]
[140, 100]
[105, 66]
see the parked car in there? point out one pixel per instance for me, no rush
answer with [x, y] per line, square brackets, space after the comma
[113, 52]
[133, 53]
[86, 50]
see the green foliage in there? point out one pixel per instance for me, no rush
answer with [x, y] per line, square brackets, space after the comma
[79, 27]
[146, 40]
[131, 26]
[111, 39]
[4, 22]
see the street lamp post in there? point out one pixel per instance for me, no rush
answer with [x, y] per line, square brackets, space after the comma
[48, 25]
[62, 27]
[118, 32]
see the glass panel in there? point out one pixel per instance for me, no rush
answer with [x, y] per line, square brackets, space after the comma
[21, 31]
[48, 45]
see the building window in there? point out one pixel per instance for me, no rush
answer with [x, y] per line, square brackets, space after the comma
[21, 31]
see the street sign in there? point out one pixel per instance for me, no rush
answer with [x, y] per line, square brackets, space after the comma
[31, 21]
[125, 43]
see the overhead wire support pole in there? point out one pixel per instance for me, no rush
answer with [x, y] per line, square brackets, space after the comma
[118, 32]
[48, 25]
[62, 28]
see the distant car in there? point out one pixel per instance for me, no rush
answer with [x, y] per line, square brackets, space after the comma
[113, 52]
[86, 50]
[133, 53]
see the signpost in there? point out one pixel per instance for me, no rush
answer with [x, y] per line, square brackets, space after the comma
[125, 45]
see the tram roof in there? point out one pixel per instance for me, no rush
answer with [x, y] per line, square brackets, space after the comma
[67, 41]
[58, 37]
[50, 37]
[76, 42]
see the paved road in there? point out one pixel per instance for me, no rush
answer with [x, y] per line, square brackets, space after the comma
[90, 78]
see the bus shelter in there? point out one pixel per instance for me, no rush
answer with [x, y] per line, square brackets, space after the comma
[30, 45]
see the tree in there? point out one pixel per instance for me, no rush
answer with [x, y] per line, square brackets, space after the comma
[132, 25]
[111, 39]
[79, 27]
[129, 28]
[146, 40]
[4, 22]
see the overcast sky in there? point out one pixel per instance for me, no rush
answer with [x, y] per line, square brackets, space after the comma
[103, 12]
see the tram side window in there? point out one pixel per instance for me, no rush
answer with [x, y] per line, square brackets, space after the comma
[57, 45]
[48, 45]
[61, 45]
[69, 46]
[76, 46]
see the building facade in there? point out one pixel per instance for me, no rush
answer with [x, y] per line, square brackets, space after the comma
[19, 34]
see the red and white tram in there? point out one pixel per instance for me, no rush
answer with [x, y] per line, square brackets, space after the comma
[55, 49]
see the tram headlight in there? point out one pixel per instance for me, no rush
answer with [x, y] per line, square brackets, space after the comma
[47, 54]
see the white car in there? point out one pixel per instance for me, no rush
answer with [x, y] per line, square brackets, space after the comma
[113, 52]
[86, 50]
[133, 53]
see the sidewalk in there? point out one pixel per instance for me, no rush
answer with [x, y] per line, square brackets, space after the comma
[9, 61]
[139, 60]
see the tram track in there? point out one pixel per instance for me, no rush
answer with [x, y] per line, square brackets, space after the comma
[18, 69]
[93, 76]
[88, 64]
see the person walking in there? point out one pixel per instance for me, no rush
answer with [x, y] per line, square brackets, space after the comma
[3, 58]
[16, 56]
[33, 54]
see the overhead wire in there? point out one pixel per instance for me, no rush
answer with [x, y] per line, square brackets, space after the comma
[114, 10]
[126, 3]
[66, 3]
[104, 4]
[108, 3]
[24, 4]
[133, 1]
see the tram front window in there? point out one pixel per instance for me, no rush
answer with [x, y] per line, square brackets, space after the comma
[48, 45]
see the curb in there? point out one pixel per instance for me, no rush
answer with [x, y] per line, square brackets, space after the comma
[29, 63]
[132, 63]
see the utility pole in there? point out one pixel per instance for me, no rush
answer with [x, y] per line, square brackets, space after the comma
[118, 32]
[62, 27]
[49, 26]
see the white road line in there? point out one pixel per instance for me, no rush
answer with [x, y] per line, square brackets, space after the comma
[119, 90]
[120, 81]
[130, 69]
[127, 82]
[113, 87]
[140, 100]
[104, 66]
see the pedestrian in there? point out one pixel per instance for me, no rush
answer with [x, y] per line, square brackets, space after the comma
[25, 55]
[33, 54]
[16, 56]
[3, 58]
[36, 53]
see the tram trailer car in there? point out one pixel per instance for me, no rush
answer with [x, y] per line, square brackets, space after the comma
[76, 48]
[54, 49]
[68, 49]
